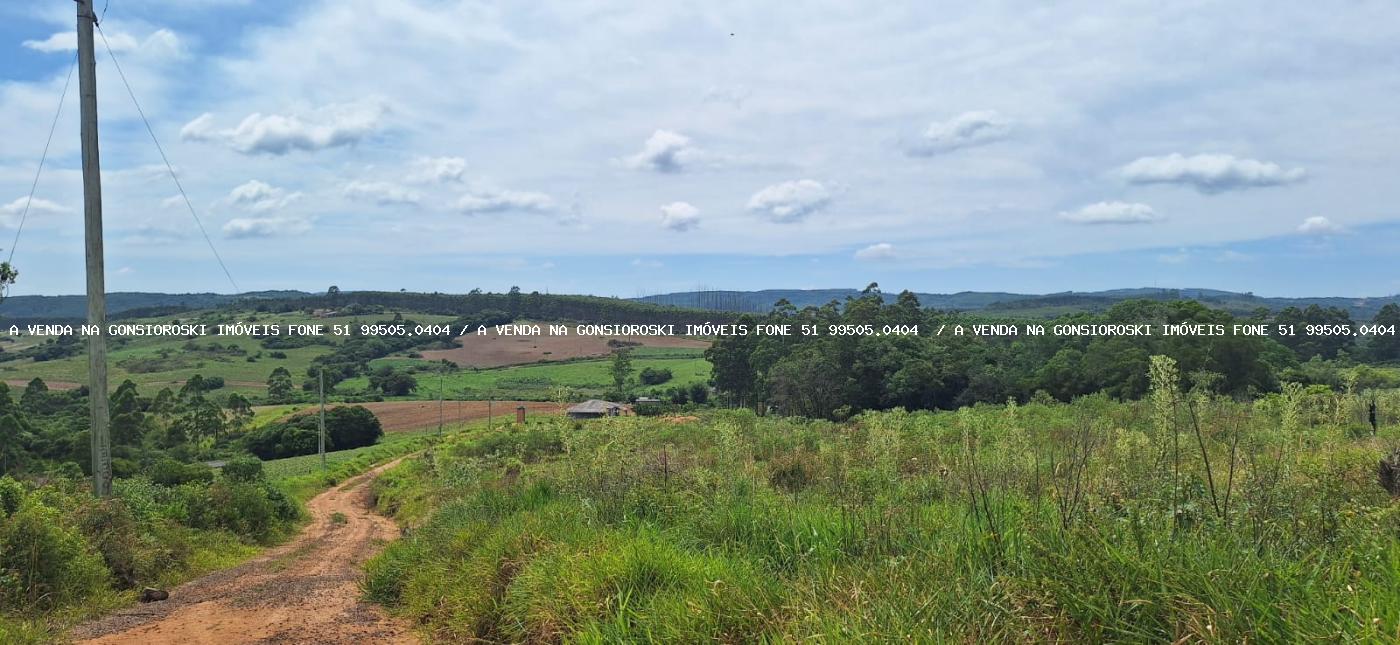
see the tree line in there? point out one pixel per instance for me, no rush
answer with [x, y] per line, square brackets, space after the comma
[828, 376]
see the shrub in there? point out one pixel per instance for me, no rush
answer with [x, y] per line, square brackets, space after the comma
[45, 564]
[168, 472]
[243, 469]
[654, 376]
[11, 494]
[346, 427]
[254, 511]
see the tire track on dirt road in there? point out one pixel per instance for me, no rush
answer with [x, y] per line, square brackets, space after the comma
[304, 591]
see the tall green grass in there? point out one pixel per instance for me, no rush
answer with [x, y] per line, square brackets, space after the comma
[1182, 518]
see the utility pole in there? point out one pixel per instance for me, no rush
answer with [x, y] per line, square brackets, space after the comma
[439, 400]
[321, 424]
[92, 233]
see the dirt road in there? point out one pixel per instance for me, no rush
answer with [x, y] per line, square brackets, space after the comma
[305, 591]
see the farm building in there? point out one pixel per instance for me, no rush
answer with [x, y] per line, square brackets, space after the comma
[595, 409]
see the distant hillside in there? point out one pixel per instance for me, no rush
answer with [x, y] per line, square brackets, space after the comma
[657, 308]
[1018, 304]
[57, 307]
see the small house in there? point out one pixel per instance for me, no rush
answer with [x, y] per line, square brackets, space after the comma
[597, 409]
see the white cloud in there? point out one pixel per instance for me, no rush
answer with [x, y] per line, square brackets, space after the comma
[1182, 256]
[966, 130]
[259, 227]
[430, 170]
[341, 124]
[790, 201]
[1318, 225]
[664, 151]
[877, 252]
[647, 264]
[259, 197]
[1210, 173]
[161, 42]
[38, 206]
[67, 41]
[1112, 213]
[496, 201]
[680, 216]
[381, 192]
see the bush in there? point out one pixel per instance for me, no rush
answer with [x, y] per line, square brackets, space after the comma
[654, 376]
[243, 469]
[43, 563]
[254, 511]
[346, 427]
[11, 493]
[168, 472]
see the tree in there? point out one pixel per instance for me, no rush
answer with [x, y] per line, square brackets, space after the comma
[621, 369]
[279, 385]
[202, 419]
[333, 295]
[240, 410]
[808, 383]
[7, 277]
[35, 397]
[128, 419]
[513, 299]
[1386, 347]
[393, 382]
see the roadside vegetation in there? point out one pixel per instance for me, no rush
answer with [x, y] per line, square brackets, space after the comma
[1184, 516]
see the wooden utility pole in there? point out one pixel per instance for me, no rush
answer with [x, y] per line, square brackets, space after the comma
[321, 424]
[92, 229]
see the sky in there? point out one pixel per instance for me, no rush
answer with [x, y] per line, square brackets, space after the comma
[624, 148]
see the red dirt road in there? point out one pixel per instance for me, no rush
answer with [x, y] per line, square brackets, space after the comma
[305, 591]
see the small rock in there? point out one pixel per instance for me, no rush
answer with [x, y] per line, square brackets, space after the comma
[151, 594]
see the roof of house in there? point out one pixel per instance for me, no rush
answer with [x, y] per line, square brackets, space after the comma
[595, 406]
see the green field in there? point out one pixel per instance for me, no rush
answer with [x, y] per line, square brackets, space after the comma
[539, 381]
[390, 443]
[157, 362]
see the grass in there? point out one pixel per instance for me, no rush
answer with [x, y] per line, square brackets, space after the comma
[392, 442]
[538, 381]
[1184, 518]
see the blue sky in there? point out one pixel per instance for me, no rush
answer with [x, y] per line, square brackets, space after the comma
[628, 148]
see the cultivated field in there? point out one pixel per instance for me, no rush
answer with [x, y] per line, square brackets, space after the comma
[158, 362]
[542, 381]
[494, 350]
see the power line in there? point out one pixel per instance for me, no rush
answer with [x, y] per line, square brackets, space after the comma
[163, 158]
[42, 158]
